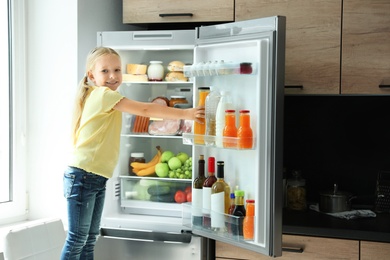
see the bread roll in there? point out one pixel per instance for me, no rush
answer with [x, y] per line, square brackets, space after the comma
[175, 66]
[175, 76]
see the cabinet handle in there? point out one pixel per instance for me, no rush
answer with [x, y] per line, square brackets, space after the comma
[178, 14]
[294, 86]
[384, 86]
[293, 249]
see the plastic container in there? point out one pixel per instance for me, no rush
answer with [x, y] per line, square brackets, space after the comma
[177, 100]
[296, 192]
[155, 71]
[212, 101]
[135, 157]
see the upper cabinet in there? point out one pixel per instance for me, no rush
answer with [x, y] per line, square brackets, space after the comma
[366, 47]
[171, 11]
[313, 37]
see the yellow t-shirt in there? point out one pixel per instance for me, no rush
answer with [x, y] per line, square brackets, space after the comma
[97, 144]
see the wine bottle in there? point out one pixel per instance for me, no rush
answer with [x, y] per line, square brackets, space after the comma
[220, 203]
[197, 193]
[208, 183]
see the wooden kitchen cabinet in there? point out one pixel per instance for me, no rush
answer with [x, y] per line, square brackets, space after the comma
[366, 47]
[184, 11]
[313, 41]
[313, 248]
[374, 250]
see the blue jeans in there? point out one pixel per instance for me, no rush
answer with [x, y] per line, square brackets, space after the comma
[85, 194]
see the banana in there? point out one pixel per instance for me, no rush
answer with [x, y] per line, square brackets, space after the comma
[147, 171]
[153, 162]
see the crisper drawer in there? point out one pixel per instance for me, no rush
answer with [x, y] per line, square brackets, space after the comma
[153, 196]
[298, 247]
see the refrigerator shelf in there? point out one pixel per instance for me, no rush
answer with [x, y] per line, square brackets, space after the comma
[210, 141]
[205, 69]
[145, 135]
[151, 83]
[155, 178]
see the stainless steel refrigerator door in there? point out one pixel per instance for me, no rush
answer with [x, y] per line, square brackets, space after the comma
[259, 171]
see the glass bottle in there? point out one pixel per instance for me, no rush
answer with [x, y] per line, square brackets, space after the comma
[135, 157]
[220, 202]
[208, 183]
[197, 193]
[212, 101]
[224, 103]
[230, 129]
[200, 128]
[155, 71]
[249, 220]
[239, 212]
[296, 191]
[244, 131]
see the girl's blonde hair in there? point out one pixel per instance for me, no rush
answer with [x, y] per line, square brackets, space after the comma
[84, 87]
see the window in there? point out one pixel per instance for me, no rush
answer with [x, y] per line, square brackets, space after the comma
[12, 112]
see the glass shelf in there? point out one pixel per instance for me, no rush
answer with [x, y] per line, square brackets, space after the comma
[204, 69]
[211, 141]
[128, 83]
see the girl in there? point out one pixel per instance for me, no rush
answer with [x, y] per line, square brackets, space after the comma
[96, 134]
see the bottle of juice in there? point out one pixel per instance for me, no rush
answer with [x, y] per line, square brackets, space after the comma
[197, 193]
[224, 103]
[249, 220]
[244, 131]
[200, 128]
[230, 129]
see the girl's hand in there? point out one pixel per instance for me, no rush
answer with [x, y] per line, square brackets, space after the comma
[199, 114]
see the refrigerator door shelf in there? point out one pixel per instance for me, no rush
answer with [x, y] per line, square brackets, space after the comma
[233, 142]
[220, 68]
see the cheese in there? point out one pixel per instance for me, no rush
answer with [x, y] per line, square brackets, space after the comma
[137, 69]
[134, 78]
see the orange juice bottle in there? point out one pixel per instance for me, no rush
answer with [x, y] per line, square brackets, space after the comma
[244, 132]
[230, 129]
[199, 128]
[249, 220]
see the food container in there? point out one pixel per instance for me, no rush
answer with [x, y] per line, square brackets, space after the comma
[335, 201]
[296, 191]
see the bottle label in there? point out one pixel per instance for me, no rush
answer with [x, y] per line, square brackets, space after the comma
[217, 210]
[197, 199]
[206, 200]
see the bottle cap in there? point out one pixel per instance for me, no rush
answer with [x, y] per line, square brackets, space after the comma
[244, 111]
[137, 155]
[230, 111]
[211, 164]
[250, 201]
[239, 193]
[232, 195]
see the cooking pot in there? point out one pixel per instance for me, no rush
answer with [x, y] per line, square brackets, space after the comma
[335, 200]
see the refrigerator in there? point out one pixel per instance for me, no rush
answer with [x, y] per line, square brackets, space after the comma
[129, 214]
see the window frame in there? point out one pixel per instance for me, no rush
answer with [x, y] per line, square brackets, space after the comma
[17, 208]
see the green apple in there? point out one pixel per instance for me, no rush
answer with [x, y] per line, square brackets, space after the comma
[174, 163]
[166, 155]
[162, 170]
[182, 156]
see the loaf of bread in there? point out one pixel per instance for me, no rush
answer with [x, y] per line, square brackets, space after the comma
[175, 66]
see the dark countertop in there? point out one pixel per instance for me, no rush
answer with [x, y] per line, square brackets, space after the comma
[312, 223]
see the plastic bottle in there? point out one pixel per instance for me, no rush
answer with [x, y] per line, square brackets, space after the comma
[230, 129]
[244, 131]
[199, 128]
[220, 203]
[239, 212]
[249, 220]
[208, 183]
[197, 193]
[224, 103]
[212, 101]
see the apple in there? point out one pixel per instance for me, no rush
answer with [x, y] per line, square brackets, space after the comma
[162, 170]
[174, 163]
[166, 155]
[182, 156]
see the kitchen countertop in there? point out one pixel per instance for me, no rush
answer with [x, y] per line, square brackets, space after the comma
[313, 223]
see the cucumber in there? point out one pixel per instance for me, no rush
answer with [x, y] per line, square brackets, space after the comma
[163, 198]
[156, 190]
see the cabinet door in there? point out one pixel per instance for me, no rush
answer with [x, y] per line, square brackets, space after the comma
[170, 11]
[312, 41]
[313, 248]
[366, 48]
[374, 250]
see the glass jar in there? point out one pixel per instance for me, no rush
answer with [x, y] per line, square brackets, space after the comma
[135, 157]
[296, 191]
[177, 100]
[155, 71]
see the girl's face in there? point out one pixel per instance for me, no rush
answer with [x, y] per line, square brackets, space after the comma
[107, 72]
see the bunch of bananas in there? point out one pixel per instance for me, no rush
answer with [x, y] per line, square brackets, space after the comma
[147, 168]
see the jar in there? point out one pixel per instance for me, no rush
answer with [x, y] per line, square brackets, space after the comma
[296, 192]
[177, 100]
[155, 71]
[135, 157]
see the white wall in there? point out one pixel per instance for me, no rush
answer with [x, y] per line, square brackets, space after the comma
[60, 34]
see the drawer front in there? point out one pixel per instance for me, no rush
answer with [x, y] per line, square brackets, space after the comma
[374, 250]
[313, 248]
[169, 11]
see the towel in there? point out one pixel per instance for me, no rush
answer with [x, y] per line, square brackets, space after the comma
[351, 214]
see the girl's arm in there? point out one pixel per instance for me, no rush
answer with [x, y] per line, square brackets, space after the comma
[156, 110]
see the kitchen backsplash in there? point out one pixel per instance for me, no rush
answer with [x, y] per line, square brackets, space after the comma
[338, 139]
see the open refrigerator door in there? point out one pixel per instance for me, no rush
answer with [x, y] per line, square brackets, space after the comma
[249, 58]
